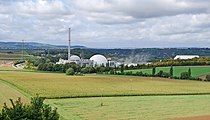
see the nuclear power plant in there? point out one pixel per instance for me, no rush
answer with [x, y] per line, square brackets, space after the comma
[95, 60]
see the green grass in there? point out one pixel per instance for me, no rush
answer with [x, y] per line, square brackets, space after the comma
[13, 56]
[138, 108]
[59, 85]
[196, 70]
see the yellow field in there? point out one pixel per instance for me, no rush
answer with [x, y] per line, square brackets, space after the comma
[59, 85]
[7, 92]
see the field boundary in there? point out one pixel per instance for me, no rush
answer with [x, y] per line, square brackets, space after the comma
[120, 95]
[16, 88]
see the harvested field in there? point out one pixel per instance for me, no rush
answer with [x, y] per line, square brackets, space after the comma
[6, 65]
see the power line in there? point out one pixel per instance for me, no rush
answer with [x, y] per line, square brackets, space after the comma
[23, 50]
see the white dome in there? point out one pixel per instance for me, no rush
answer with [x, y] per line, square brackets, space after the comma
[75, 58]
[99, 60]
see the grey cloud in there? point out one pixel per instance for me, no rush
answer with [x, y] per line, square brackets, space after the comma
[139, 9]
[107, 23]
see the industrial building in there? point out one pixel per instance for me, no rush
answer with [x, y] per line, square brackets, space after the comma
[184, 57]
[95, 60]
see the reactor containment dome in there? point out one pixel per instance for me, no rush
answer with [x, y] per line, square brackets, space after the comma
[75, 58]
[99, 60]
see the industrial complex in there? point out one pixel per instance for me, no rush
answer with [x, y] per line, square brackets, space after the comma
[95, 60]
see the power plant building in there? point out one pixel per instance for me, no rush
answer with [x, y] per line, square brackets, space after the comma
[95, 60]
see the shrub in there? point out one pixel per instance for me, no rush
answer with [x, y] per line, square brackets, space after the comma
[37, 110]
[185, 75]
[129, 73]
[207, 77]
[112, 72]
[189, 72]
[153, 71]
[160, 73]
[171, 72]
[139, 73]
[166, 75]
[70, 71]
[84, 70]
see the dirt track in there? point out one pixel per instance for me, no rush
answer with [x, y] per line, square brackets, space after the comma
[206, 117]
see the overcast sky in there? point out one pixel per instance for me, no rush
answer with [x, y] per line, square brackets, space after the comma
[107, 23]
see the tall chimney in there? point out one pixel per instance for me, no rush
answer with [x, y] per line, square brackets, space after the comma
[69, 46]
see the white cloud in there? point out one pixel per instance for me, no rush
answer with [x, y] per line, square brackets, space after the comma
[108, 23]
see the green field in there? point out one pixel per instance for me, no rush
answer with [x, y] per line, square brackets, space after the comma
[13, 56]
[132, 108]
[196, 70]
[59, 85]
[153, 107]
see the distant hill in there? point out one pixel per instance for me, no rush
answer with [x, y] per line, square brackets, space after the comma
[33, 45]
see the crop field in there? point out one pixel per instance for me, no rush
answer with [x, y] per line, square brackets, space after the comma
[196, 70]
[138, 108]
[8, 92]
[12, 56]
[56, 85]
[156, 106]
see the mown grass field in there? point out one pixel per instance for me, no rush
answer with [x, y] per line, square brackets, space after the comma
[196, 70]
[59, 85]
[133, 108]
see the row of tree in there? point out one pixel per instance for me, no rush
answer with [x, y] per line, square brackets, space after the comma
[161, 73]
[171, 62]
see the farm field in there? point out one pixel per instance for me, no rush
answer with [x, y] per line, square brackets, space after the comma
[54, 85]
[6, 65]
[137, 108]
[12, 55]
[7, 92]
[196, 70]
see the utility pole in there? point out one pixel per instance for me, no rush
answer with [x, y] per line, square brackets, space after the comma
[69, 46]
[23, 50]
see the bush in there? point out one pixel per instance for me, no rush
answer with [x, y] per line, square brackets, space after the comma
[139, 73]
[112, 72]
[166, 75]
[37, 110]
[129, 73]
[185, 75]
[160, 73]
[207, 77]
[70, 71]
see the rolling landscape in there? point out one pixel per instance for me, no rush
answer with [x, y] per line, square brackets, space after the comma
[104, 60]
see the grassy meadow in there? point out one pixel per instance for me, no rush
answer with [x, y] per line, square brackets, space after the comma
[132, 108]
[196, 70]
[55, 85]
